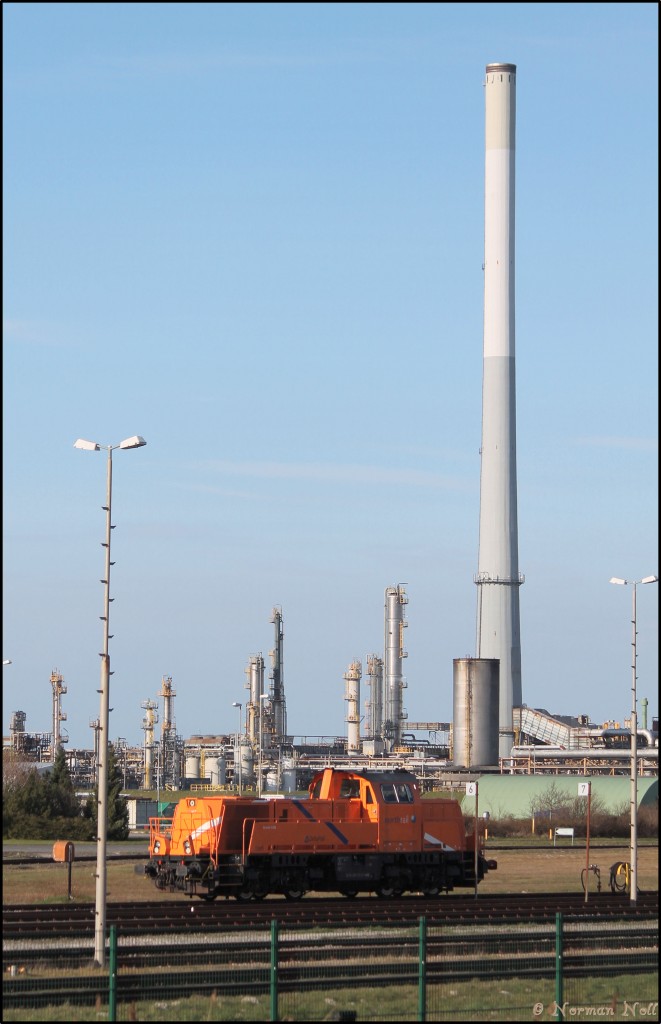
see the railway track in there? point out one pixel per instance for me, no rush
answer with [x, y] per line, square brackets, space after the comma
[181, 916]
[48, 950]
[159, 966]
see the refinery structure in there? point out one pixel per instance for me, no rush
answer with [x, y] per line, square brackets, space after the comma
[492, 730]
[261, 757]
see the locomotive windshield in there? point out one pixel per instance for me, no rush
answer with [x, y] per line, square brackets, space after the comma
[396, 793]
[349, 788]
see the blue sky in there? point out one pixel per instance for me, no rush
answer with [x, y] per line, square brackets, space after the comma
[253, 234]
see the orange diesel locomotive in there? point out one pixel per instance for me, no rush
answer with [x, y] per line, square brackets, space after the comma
[359, 831]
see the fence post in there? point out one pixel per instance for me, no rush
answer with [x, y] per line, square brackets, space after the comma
[558, 967]
[112, 979]
[422, 969]
[274, 970]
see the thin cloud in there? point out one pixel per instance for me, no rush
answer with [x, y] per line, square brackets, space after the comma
[639, 444]
[32, 332]
[196, 64]
[335, 473]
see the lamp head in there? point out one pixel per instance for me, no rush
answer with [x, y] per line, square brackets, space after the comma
[133, 442]
[87, 446]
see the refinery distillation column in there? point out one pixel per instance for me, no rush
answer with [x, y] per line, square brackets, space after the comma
[278, 703]
[498, 578]
[394, 681]
[57, 682]
[352, 697]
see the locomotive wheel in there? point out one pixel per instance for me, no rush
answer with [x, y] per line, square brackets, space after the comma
[387, 892]
[207, 896]
[349, 893]
[431, 890]
[294, 894]
[244, 895]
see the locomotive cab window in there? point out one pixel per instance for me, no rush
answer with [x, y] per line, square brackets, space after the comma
[349, 788]
[396, 794]
[317, 790]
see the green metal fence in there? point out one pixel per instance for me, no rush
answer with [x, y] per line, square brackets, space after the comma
[554, 970]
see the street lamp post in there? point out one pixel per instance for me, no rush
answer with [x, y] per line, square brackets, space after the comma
[235, 704]
[102, 766]
[633, 823]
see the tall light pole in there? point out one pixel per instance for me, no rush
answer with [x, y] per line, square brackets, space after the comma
[263, 697]
[235, 704]
[633, 856]
[102, 766]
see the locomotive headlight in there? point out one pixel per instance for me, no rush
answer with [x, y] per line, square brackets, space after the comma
[157, 846]
[186, 846]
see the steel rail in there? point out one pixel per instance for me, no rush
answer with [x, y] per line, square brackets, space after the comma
[178, 916]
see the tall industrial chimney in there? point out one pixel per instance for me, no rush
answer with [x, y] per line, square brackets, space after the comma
[498, 578]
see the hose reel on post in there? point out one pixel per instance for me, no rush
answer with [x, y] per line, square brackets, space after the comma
[620, 878]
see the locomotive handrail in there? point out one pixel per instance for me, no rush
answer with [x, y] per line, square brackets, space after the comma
[213, 853]
[162, 826]
[244, 843]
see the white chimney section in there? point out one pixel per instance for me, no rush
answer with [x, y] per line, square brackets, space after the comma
[498, 578]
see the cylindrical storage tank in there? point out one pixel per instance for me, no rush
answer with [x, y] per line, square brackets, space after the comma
[272, 780]
[288, 776]
[247, 762]
[475, 718]
[192, 766]
[215, 768]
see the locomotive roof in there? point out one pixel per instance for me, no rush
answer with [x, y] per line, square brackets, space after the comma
[377, 774]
